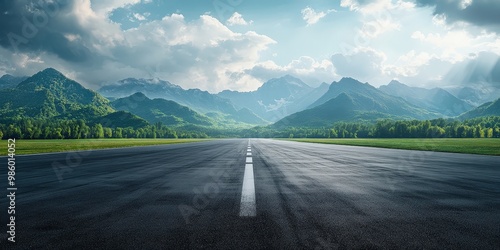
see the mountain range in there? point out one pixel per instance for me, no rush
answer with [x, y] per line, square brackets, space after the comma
[487, 109]
[198, 100]
[436, 99]
[277, 97]
[287, 100]
[160, 110]
[351, 100]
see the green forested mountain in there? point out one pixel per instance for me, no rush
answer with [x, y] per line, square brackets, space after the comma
[49, 105]
[50, 94]
[487, 109]
[196, 99]
[351, 100]
[121, 119]
[344, 107]
[374, 99]
[160, 110]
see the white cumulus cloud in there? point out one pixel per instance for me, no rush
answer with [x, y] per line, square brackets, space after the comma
[237, 19]
[105, 7]
[311, 16]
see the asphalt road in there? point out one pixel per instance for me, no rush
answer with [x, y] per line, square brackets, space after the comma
[310, 196]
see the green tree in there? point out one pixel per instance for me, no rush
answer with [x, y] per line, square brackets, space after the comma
[13, 132]
[118, 133]
[108, 132]
[97, 131]
[496, 132]
[333, 133]
[56, 133]
[488, 132]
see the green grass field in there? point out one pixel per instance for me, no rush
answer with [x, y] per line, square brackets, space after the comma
[469, 146]
[24, 147]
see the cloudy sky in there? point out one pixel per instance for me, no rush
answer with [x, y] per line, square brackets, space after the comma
[238, 44]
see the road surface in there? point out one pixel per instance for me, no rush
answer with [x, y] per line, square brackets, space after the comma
[273, 194]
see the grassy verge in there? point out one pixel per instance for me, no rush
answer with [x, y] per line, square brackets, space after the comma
[24, 147]
[469, 146]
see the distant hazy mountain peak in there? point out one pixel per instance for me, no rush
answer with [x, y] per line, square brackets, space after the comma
[323, 84]
[289, 77]
[139, 95]
[397, 83]
[349, 83]
[287, 80]
[292, 79]
[144, 81]
[348, 80]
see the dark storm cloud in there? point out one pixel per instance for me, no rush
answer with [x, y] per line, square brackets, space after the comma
[483, 13]
[41, 25]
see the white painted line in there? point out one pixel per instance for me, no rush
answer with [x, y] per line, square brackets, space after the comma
[248, 206]
[249, 160]
[249, 154]
[249, 150]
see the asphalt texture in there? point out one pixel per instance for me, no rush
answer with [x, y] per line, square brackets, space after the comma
[308, 196]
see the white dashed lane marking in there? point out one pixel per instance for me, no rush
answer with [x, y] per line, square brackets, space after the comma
[248, 205]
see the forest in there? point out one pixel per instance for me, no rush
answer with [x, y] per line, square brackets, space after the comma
[483, 127]
[31, 128]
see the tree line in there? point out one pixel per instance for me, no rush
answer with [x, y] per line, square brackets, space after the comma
[483, 127]
[30, 128]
